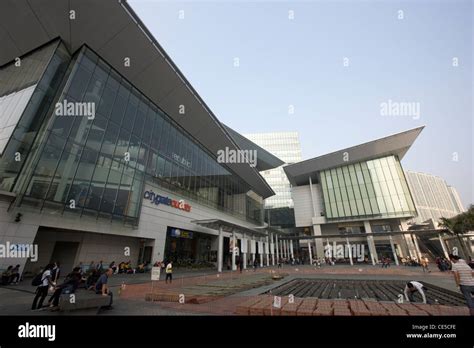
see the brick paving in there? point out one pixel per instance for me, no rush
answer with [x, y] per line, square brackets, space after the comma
[225, 294]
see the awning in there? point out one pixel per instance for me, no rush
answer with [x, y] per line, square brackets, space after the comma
[216, 224]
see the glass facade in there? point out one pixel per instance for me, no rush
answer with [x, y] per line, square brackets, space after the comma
[375, 188]
[101, 163]
[285, 146]
[33, 84]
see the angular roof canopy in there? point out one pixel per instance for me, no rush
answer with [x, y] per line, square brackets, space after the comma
[265, 160]
[396, 144]
[114, 31]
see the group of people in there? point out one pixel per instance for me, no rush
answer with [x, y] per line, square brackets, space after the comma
[122, 267]
[47, 281]
[410, 261]
[11, 275]
[386, 261]
[463, 276]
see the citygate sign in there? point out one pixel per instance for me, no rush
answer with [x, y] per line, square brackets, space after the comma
[157, 199]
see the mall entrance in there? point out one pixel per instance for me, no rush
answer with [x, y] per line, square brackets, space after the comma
[190, 249]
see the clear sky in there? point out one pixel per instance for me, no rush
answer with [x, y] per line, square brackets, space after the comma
[292, 54]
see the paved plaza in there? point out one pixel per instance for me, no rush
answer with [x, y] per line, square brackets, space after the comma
[251, 293]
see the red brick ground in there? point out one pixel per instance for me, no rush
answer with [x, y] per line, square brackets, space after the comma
[262, 304]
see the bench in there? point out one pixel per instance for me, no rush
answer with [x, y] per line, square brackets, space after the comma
[83, 300]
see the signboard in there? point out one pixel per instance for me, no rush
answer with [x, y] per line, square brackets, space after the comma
[277, 301]
[243, 245]
[177, 233]
[155, 273]
[157, 199]
[252, 247]
[181, 160]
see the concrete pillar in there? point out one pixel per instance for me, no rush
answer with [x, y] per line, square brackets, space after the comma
[417, 248]
[242, 254]
[267, 250]
[291, 249]
[395, 257]
[309, 252]
[260, 252]
[319, 252]
[272, 249]
[276, 247]
[234, 266]
[371, 243]
[350, 251]
[409, 245]
[220, 251]
[409, 242]
[399, 247]
[443, 246]
[328, 249]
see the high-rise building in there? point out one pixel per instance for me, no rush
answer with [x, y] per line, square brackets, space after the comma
[286, 146]
[433, 197]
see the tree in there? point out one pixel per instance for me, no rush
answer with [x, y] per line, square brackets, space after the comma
[459, 225]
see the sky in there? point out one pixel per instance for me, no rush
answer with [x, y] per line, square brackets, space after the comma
[326, 68]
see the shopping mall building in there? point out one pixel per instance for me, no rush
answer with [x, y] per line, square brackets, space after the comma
[108, 153]
[357, 201]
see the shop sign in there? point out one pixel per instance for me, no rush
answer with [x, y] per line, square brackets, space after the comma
[177, 233]
[157, 199]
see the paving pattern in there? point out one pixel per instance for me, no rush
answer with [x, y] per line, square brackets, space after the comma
[202, 292]
[380, 290]
[264, 305]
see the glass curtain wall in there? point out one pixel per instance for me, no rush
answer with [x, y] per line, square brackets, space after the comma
[375, 188]
[32, 83]
[101, 163]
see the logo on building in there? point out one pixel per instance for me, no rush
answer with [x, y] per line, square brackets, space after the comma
[181, 160]
[157, 199]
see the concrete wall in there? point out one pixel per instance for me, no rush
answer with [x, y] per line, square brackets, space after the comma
[14, 233]
[93, 247]
[301, 196]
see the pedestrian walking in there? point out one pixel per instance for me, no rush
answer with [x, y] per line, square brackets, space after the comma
[169, 272]
[43, 283]
[463, 278]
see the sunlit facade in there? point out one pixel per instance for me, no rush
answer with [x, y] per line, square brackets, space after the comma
[369, 189]
[356, 196]
[433, 197]
[286, 146]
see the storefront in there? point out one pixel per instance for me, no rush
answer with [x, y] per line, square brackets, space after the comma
[189, 248]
